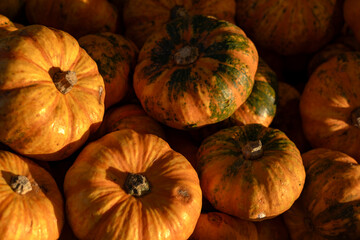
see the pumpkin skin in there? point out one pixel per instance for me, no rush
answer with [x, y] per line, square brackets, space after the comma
[6, 26]
[290, 27]
[76, 17]
[94, 187]
[260, 106]
[272, 229]
[246, 185]
[328, 207]
[11, 8]
[29, 213]
[37, 119]
[328, 105]
[130, 116]
[351, 10]
[142, 18]
[115, 57]
[195, 71]
[216, 225]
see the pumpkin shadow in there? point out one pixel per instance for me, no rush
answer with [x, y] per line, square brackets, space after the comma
[116, 176]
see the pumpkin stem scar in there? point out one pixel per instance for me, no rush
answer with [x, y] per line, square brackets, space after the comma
[20, 184]
[355, 117]
[253, 150]
[64, 81]
[178, 11]
[186, 55]
[136, 185]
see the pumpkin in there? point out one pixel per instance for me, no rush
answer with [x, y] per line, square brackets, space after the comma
[77, 17]
[195, 71]
[328, 207]
[143, 17]
[129, 116]
[52, 95]
[351, 10]
[128, 185]
[31, 205]
[260, 106]
[115, 57]
[290, 27]
[252, 172]
[288, 118]
[6, 26]
[272, 229]
[216, 225]
[329, 105]
[11, 8]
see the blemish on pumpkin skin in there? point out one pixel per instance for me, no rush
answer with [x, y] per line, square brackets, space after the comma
[183, 195]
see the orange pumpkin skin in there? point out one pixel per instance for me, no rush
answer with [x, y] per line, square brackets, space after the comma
[195, 71]
[34, 214]
[142, 18]
[6, 26]
[329, 103]
[246, 179]
[130, 116]
[328, 207]
[76, 17]
[115, 57]
[351, 11]
[95, 190]
[272, 229]
[39, 118]
[216, 225]
[290, 27]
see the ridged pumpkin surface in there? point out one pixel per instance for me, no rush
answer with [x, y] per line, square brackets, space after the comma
[115, 57]
[143, 17]
[37, 214]
[195, 71]
[328, 207]
[290, 27]
[252, 183]
[330, 102]
[96, 192]
[37, 119]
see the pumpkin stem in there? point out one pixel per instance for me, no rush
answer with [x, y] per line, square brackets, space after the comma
[64, 81]
[136, 185]
[186, 55]
[355, 117]
[20, 184]
[178, 11]
[253, 150]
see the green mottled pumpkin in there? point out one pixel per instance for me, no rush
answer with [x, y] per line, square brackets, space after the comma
[195, 71]
[260, 107]
[252, 172]
[329, 206]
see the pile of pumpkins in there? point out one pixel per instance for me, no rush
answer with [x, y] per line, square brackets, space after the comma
[206, 119]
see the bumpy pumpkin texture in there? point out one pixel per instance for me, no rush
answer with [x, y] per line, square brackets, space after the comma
[143, 17]
[252, 172]
[52, 95]
[328, 207]
[195, 71]
[31, 205]
[132, 186]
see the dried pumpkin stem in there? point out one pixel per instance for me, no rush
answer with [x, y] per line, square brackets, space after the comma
[20, 184]
[136, 185]
[253, 150]
[355, 117]
[186, 55]
[64, 81]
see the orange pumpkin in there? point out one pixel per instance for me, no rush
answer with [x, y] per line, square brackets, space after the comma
[115, 57]
[77, 17]
[216, 225]
[128, 185]
[328, 207]
[251, 172]
[31, 205]
[129, 116]
[11, 8]
[330, 105]
[351, 11]
[143, 17]
[52, 95]
[272, 229]
[6, 26]
[290, 27]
